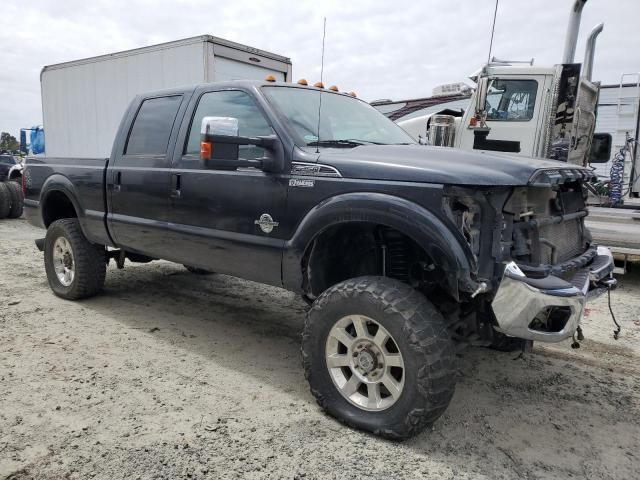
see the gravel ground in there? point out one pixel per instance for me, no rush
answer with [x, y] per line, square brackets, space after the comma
[173, 375]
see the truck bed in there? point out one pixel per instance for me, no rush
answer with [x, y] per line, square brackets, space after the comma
[82, 178]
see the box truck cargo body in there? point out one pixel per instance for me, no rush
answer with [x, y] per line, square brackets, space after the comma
[83, 101]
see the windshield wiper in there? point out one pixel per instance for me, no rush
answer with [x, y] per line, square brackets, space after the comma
[343, 143]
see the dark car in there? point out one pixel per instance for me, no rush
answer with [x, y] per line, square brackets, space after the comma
[10, 167]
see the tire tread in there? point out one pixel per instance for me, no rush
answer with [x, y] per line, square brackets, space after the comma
[428, 337]
[5, 201]
[17, 199]
[90, 261]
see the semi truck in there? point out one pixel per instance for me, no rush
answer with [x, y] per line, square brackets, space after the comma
[84, 100]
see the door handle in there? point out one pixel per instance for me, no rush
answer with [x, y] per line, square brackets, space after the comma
[117, 184]
[175, 185]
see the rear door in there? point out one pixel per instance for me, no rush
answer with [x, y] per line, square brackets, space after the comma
[138, 177]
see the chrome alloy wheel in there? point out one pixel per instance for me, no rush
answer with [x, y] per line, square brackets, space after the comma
[63, 262]
[365, 363]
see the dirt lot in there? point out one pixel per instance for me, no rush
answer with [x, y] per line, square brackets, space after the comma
[171, 375]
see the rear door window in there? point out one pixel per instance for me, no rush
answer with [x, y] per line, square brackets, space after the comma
[151, 129]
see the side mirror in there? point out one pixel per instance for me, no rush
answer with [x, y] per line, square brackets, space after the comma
[600, 148]
[220, 142]
[221, 128]
[481, 94]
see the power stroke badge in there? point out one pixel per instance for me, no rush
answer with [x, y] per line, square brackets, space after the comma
[301, 182]
[266, 223]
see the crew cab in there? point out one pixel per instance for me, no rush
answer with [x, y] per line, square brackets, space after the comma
[402, 250]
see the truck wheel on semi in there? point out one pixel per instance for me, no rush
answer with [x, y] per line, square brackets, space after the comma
[10, 190]
[404, 252]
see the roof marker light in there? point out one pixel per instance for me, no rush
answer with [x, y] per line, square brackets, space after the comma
[302, 81]
[352, 94]
[318, 85]
[270, 78]
[333, 88]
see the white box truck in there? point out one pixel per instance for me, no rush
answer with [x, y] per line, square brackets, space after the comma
[83, 101]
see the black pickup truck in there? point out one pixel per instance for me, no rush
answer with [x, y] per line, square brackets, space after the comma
[403, 251]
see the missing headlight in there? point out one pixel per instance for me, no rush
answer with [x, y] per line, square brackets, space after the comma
[465, 213]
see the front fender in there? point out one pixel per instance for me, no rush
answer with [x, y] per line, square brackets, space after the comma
[421, 225]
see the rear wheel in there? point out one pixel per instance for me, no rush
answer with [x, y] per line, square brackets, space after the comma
[17, 199]
[75, 267]
[378, 356]
[5, 201]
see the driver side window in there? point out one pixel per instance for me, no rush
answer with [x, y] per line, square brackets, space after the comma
[230, 103]
[511, 100]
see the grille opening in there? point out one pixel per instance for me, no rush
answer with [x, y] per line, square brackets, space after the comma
[551, 319]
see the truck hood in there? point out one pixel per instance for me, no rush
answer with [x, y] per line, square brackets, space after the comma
[418, 163]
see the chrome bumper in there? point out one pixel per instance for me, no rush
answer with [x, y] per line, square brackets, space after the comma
[520, 300]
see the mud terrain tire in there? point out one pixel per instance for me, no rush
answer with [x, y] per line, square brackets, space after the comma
[422, 338]
[88, 260]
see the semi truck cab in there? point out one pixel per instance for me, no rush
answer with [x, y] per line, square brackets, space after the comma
[515, 98]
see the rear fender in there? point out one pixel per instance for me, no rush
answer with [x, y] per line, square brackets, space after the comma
[60, 183]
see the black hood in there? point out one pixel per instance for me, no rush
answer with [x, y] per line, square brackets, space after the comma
[418, 163]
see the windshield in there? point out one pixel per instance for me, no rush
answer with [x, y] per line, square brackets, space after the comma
[345, 122]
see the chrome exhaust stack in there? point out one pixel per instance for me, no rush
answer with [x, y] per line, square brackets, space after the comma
[572, 31]
[587, 66]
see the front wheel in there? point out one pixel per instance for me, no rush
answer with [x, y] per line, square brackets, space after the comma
[75, 267]
[378, 356]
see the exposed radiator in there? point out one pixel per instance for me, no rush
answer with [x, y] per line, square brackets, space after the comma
[566, 237]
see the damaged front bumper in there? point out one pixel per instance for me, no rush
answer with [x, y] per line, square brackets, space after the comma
[548, 309]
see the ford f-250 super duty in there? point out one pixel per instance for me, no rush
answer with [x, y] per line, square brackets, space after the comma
[403, 251]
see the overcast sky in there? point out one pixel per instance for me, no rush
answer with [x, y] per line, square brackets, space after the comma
[381, 49]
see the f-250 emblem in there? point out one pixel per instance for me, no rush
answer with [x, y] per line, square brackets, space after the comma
[266, 223]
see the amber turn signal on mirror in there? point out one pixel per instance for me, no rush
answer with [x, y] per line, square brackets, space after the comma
[205, 150]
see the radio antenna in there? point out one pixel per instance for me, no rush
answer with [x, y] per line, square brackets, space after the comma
[324, 32]
[493, 28]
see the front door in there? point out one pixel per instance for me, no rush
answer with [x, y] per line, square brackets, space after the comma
[513, 113]
[138, 179]
[228, 221]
